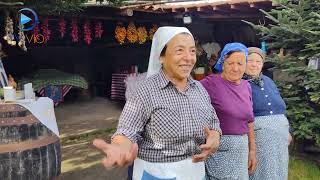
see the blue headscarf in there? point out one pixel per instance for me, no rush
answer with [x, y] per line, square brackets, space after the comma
[230, 47]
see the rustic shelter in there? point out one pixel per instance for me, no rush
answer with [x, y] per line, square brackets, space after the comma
[211, 21]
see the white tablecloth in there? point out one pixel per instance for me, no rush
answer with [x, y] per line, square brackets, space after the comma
[42, 109]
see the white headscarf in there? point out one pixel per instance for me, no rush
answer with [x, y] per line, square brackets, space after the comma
[161, 37]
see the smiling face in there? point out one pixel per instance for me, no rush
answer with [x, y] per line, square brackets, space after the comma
[179, 57]
[254, 65]
[234, 67]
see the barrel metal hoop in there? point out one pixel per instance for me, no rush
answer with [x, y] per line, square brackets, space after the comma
[28, 144]
[11, 107]
[30, 119]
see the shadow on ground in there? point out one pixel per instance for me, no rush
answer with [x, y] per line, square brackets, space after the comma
[96, 172]
[80, 160]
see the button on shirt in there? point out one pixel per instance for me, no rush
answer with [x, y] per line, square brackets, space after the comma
[167, 124]
[267, 99]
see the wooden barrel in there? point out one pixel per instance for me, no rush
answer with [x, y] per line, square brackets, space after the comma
[28, 149]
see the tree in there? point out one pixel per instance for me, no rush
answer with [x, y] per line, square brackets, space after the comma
[295, 28]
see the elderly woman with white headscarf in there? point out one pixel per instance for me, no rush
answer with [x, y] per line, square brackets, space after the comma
[168, 127]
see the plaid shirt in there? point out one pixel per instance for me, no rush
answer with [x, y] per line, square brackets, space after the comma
[167, 124]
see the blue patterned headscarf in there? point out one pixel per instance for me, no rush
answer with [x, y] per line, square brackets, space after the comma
[230, 47]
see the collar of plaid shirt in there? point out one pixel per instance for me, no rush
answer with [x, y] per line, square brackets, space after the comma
[164, 81]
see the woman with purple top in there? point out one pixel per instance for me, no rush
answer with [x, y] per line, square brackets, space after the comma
[231, 98]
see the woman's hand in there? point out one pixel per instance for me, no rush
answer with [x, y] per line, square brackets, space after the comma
[116, 154]
[289, 139]
[211, 146]
[252, 162]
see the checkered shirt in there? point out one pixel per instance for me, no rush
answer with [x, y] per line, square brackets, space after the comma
[167, 124]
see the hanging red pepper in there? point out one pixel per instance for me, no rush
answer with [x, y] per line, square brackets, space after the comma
[74, 30]
[87, 32]
[45, 29]
[62, 27]
[98, 30]
[36, 31]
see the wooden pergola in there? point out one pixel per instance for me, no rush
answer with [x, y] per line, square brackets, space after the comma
[172, 10]
[209, 10]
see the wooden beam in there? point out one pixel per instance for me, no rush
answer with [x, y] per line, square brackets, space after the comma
[222, 8]
[238, 16]
[233, 6]
[150, 11]
[192, 9]
[116, 17]
[219, 8]
[204, 8]
[243, 7]
[141, 5]
[199, 9]
[126, 12]
[259, 5]
[231, 20]
[179, 10]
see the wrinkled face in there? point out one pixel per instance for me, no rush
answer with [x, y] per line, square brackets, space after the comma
[234, 67]
[180, 57]
[254, 65]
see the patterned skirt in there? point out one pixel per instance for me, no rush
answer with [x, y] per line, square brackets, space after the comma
[230, 162]
[271, 135]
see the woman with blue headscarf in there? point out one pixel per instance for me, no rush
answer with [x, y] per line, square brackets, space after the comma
[231, 98]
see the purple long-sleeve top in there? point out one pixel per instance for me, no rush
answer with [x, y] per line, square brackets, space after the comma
[232, 102]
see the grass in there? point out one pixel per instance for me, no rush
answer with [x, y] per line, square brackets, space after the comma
[303, 170]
